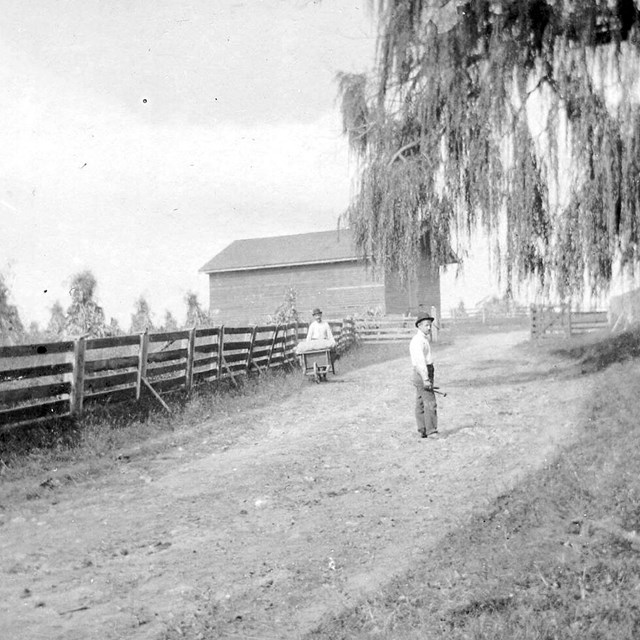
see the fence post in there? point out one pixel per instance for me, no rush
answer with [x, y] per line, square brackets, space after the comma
[532, 311]
[273, 344]
[76, 396]
[142, 361]
[285, 335]
[219, 355]
[250, 350]
[569, 324]
[191, 347]
[435, 325]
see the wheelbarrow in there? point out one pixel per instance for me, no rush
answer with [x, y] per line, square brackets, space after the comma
[317, 363]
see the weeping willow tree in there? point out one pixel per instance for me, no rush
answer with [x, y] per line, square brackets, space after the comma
[518, 115]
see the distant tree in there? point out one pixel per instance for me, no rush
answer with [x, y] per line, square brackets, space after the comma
[84, 316]
[196, 316]
[57, 321]
[141, 318]
[11, 327]
[114, 328]
[34, 333]
[169, 323]
[287, 311]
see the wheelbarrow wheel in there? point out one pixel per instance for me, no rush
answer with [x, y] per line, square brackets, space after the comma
[316, 372]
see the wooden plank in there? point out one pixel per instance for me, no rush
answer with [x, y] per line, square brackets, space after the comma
[111, 395]
[229, 371]
[289, 343]
[205, 374]
[169, 336]
[237, 331]
[262, 342]
[591, 315]
[155, 394]
[206, 348]
[533, 315]
[9, 396]
[111, 364]
[236, 346]
[237, 368]
[55, 409]
[266, 328]
[104, 382]
[262, 349]
[166, 356]
[205, 332]
[590, 320]
[188, 374]
[30, 422]
[220, 350]
[403, 333]
[77, 378]
[260, 360]
[273, 342]
[235, 357]
[169, 384]
[111, 343]
[162, 370]
[209, 361]
[41, 349]
[250, 351]
[385, 336]
[36, 372]
[142, 362]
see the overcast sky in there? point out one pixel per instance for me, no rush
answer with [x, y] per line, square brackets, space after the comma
[140, 137]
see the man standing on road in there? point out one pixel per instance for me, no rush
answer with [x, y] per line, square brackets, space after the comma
[423, 376]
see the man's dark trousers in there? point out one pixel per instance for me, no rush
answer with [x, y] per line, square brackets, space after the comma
[426, 407]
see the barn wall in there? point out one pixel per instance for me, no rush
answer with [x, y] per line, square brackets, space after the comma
[339, 289]
[415, 295]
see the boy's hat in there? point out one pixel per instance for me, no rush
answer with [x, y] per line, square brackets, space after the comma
[316, 312]
[424, 316]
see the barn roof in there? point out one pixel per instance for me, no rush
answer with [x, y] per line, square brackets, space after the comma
[320, 247]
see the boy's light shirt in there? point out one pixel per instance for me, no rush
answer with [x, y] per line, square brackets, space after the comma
[420, 350]
[319, 331]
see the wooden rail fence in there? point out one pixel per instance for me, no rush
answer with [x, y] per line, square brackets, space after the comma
[390, 328]
[58, 379]
[553, 321]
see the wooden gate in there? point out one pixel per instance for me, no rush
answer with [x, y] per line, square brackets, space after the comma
[561, 321]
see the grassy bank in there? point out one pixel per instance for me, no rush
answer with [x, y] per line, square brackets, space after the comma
[559, 557]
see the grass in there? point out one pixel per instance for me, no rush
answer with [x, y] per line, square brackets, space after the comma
[558, 557]
[597, 351]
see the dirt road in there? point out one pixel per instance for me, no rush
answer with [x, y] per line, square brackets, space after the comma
[323, 498]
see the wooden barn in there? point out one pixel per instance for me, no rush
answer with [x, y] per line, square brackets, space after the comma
[248, 280]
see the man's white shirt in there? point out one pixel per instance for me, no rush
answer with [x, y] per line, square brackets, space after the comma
[420, 350]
